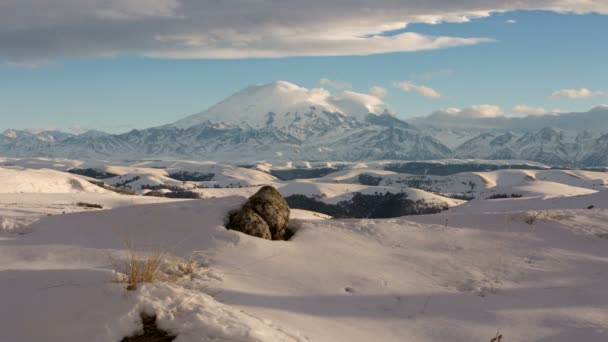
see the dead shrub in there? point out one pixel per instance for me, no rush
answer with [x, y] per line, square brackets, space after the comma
[139, 267]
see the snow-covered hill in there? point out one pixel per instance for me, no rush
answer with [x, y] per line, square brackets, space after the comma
[335, 193]
[461, 275]
[524, 183]
[44, 181]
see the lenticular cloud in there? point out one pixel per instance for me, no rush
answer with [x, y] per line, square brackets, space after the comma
[239, 28]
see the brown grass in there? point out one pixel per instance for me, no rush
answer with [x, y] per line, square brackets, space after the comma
[153, 265]
[141, 267]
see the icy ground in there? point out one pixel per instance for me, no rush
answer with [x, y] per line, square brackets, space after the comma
[461, 275]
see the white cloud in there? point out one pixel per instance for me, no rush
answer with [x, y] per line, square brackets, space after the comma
[356, 103]
[528, 110]
[277, 46]
[477, 111]
[378, 92]
[477, 116]
[492, 117]
[408, 87]
[582, 93]
[511, 21]
[338, 85]
[38, 30]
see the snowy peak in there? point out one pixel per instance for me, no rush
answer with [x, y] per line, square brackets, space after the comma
[282, 104]
[10, 133]
[14, 136]
[548, 145]
[544, 136]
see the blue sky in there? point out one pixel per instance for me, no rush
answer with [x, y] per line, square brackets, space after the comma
[536, 54]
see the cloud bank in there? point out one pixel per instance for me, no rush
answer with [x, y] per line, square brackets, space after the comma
[528, 110]
[33, 31]
[582, 93]
[484, 117]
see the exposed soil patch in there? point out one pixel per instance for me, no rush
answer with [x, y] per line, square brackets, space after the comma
[151, 332]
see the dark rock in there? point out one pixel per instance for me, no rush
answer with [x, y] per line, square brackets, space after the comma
[247, 221]
[265, 215]
[272, 208]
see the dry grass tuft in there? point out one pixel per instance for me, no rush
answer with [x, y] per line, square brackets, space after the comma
[140, 267]
[153, 265]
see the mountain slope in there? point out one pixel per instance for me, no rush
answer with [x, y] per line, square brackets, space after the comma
[549, 146]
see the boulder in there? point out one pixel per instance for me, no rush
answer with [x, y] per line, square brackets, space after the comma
[266, 209]
[248, 222]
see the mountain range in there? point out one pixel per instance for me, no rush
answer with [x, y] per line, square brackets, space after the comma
[282, 121]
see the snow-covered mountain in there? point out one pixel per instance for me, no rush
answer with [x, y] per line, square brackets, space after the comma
[28, 142]
[287, 106]
[282, 121]
[598, 154]
[279, 120]
[549, 145]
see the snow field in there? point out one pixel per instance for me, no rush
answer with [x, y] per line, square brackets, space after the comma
[460, 275]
